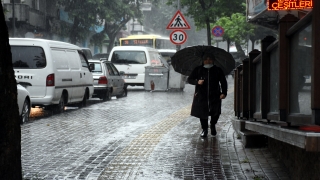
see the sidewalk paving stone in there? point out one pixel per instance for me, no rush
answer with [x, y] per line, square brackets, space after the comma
[159, 141]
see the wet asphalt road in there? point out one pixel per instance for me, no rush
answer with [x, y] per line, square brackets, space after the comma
[146, 135]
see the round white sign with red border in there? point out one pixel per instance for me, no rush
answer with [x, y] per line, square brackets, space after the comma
[178, 37]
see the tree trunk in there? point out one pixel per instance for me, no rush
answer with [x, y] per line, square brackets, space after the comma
[111, 42]
[208, 31]
[73, 32]
[240, 50]
[228, 45]
[10, 133]
[252, 45]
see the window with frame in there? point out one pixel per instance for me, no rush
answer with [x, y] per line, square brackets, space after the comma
[116, 72]
[300, 72]
[84, 62]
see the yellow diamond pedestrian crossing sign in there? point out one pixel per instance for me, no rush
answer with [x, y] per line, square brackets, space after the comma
[178, 21]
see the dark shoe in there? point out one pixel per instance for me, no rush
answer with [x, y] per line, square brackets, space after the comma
[213, 130]
[204, 133]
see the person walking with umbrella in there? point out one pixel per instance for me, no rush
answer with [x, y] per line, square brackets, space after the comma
[210, 88]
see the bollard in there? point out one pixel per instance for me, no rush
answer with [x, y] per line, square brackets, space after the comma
[152, 85]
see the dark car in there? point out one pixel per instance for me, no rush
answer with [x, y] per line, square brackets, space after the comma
[87, 53]
[107, 80]
[100, 56]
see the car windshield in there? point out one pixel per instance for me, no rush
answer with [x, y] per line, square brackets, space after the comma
[25, 57]
[129, 57]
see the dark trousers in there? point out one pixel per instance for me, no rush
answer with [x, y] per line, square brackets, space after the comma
[213, 121]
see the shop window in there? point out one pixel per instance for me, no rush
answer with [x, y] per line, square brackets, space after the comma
[300, 72]
[274, 80]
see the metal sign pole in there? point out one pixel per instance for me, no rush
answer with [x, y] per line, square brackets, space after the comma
[13, 20]
[178, 47]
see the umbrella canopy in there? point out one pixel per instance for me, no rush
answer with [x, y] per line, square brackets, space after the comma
[185, 60]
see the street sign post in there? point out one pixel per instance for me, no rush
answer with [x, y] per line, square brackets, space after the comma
[178, 23]
[178, 37]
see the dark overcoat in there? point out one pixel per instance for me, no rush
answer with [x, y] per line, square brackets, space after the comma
[206, 100]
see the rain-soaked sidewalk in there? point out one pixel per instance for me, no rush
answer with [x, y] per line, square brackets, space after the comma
[156, 138]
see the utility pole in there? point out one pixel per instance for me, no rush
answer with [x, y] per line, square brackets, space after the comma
[13, 20]
[178, 47]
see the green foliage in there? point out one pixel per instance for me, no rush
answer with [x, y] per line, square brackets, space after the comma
[205, 12]
[227, 8]
[119, 13]
[236, 28]
[82, 22]
[85, 14]
[158, 18]
[199, 10]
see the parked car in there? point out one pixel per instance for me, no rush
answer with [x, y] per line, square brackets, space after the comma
[100, 56]
[167, 54]
[24, 103]
[87, 53]
[107, 80]
[58, 72]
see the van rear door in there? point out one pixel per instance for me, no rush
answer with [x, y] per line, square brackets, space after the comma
[132, 63]
[30, 66]
[86, 75]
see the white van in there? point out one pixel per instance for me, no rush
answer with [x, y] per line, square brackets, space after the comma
[57, 73]
[132, 60]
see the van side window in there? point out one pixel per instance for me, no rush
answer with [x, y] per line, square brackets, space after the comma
[26, 57]
[61, 58]
[114, 70]
[72, 59]
[83, 61]
[155, 60]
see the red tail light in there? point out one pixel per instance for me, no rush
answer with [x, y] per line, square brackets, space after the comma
[50, 80]
[103, 80]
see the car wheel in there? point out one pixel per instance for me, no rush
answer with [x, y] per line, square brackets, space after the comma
[84, 100]
[106, 96]
[60, 107]
[25, 111]
[124, 93]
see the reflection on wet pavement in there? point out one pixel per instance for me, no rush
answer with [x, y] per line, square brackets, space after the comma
[147, 135]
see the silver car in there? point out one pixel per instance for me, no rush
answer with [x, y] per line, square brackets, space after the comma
[107, 80]
[24, 103]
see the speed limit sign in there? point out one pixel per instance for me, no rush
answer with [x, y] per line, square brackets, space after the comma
[178, 37]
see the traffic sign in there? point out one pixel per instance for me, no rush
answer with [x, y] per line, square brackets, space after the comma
[218, 38]
[178, 37]
[178, 22]
[217, 31]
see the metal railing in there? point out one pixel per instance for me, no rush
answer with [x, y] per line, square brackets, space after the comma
[276, 83]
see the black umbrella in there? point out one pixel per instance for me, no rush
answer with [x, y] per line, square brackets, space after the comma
[185, 60]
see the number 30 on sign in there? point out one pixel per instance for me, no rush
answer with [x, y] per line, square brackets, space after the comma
[178, 37]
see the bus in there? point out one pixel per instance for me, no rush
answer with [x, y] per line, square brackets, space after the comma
[154, 41]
